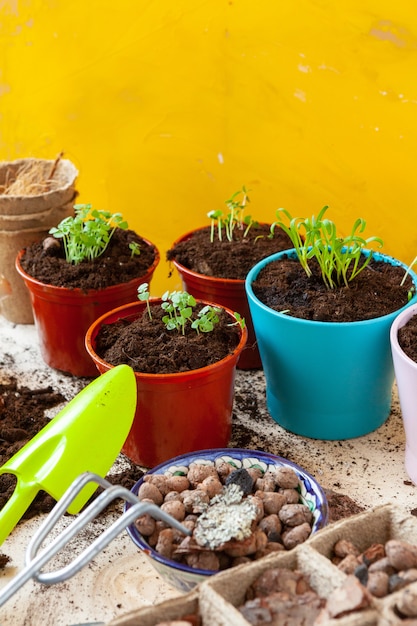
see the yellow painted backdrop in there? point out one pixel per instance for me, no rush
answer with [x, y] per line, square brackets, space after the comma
[167, 107]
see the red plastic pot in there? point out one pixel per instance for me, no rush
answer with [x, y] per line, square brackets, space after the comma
[228, 292]
[175, 413]
[62, 317]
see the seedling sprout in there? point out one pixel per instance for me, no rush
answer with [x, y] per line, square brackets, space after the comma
[339, 258]
[240, 321]
[179, 311]
[134, 248]
[143, 296]
[206, 320]
[178, 306]
[234, 219]
[409, 268]
[87, 234]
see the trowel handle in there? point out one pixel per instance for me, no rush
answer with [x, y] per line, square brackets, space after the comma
[16, 507]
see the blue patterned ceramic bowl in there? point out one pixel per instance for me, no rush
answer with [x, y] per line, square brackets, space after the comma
[184, 577]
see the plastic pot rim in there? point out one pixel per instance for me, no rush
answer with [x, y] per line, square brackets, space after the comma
[253, 273]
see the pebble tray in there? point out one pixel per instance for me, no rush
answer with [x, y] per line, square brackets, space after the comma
[216, 599]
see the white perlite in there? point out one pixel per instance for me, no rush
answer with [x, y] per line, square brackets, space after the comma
[227, 517]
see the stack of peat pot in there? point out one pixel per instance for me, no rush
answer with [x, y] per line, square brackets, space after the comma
[35, 194]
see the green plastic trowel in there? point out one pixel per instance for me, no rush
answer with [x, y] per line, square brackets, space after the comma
[86, 436]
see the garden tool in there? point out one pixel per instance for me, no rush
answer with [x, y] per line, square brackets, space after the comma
[36, 560]
[86, 435]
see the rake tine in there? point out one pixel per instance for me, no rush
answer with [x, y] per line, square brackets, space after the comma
[36, 561]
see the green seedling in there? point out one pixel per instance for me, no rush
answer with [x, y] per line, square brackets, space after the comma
[179, 311]
[206, 320]
[216, 217]
[240, 321]
[235, 217]
[340, 258]
[87, 234]
[143, 296]
[134, 248]
[178, 306]
[409, 268]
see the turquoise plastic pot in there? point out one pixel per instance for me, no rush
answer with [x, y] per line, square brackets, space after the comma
[325, 380]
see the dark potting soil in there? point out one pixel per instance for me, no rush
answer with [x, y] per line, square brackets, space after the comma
[46, 262]
[228, 259]
[148, 347]
[22, 416]
[284, 286]
[407, 338]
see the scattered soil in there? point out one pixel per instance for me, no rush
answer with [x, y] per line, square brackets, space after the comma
[284, 286]
[341, 506]
[407, 338]
[22, 415]
[45, 261]
[4, 559]
[228, 259]
[148, 347]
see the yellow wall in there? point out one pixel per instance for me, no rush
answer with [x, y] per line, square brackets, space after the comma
[168, 107]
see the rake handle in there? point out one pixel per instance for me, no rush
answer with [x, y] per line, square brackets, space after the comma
[35, 561]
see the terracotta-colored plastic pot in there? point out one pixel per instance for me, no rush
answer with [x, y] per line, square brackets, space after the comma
[62, 317]
[228, 292]
[175, 413]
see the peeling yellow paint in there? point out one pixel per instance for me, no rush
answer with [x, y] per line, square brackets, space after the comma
[4, 89]
[9, 7]
[168, 107]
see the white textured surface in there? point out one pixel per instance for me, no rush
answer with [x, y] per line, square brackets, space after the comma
[369, 469]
